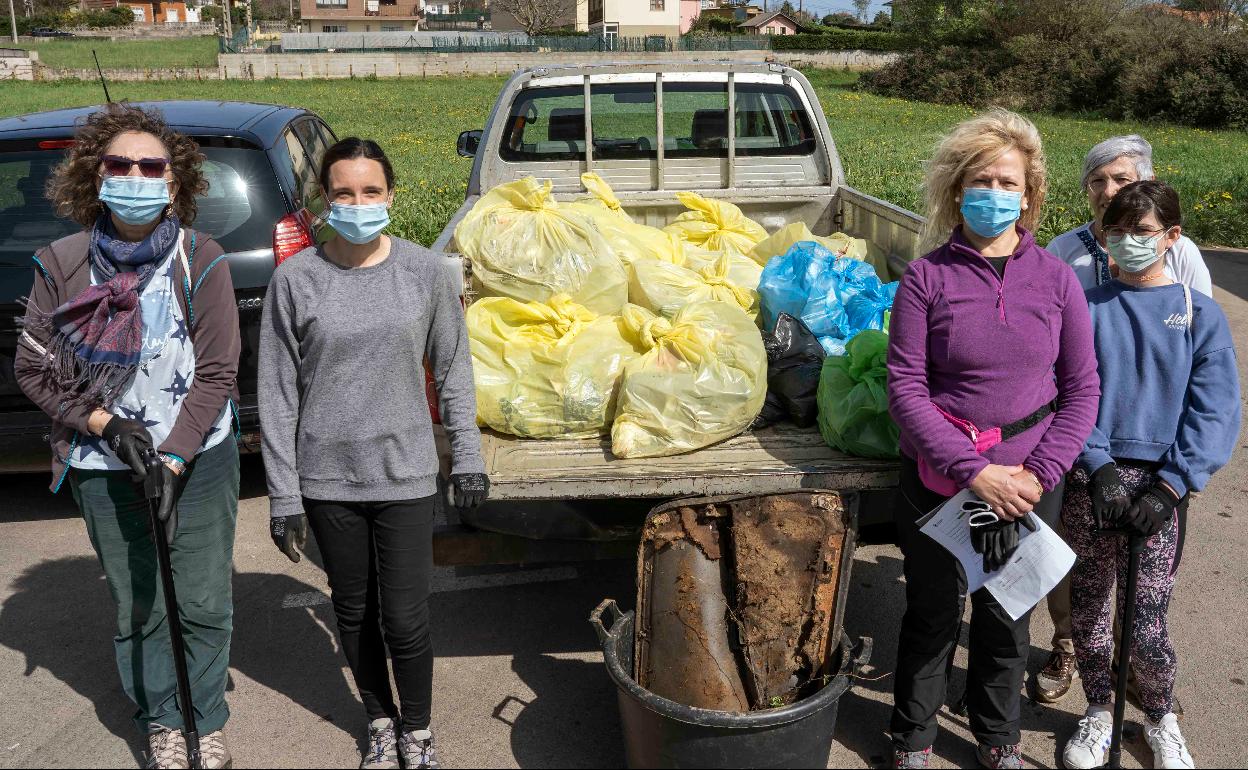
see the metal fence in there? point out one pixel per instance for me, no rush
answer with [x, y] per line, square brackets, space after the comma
[507, 42]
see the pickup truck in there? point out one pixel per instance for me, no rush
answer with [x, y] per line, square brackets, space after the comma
[651, 131]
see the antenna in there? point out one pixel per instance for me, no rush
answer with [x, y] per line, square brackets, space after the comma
[103, 83]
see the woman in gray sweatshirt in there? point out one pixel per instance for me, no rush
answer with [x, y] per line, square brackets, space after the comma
[348, 437]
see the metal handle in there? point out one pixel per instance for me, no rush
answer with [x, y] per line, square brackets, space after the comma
[595, 618]
[861, 654]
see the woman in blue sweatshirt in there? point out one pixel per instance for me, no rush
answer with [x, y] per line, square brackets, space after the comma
[1169, 417]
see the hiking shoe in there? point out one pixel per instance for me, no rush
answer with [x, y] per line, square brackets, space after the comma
[1169, 749]
[1089, 746]
[1053, 681]
[214, 751]
[382, 752]
[999, 757]
[416, 750]
[913, 760]
[166, 749]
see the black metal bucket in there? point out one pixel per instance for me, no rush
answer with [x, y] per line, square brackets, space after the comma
[662, 733]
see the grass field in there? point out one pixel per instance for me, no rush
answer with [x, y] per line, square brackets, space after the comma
[75, 53]
[882, 142]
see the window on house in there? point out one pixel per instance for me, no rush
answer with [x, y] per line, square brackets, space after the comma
[656, 5]
[771, 30]
[595, 11]
[391, 28]
[331, 3]
[333, 28]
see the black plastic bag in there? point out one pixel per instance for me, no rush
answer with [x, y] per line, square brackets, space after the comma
[794, 360]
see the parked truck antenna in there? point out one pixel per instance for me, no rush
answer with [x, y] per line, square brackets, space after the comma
[103, 82]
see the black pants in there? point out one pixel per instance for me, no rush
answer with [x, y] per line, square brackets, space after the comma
[378, 557]
[935, 596]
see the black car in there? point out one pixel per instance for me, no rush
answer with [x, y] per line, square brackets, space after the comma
[49, 32]
[263, 204]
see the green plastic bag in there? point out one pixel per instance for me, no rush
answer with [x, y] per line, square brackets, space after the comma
[853, 399]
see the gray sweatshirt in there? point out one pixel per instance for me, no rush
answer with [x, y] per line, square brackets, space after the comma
[342, 385]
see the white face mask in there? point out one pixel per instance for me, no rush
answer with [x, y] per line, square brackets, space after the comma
[1133, 253]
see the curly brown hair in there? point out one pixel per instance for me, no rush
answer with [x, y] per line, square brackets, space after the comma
[72, 185]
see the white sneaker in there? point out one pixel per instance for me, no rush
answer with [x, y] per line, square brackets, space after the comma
[1169, 749]
[1089, 746]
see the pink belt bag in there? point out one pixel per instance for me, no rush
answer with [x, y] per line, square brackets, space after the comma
[983, 441]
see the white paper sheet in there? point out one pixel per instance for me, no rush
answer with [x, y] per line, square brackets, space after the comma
[1039, 564]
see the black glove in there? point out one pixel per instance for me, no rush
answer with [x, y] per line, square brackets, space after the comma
[162, 484]
[468, 490]
[998, 541]
[289, 533]
[1110, 499]
[1151, 511]
[130, 441]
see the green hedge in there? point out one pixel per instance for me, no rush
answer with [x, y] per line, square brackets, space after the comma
[844, 40]
[121, 16]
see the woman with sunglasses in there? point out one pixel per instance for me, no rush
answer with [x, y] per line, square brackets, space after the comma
[1169, 418]
[349, 446]
[992, 381]
[130, 344]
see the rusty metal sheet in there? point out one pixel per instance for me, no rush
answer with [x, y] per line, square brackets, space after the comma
[779, 459]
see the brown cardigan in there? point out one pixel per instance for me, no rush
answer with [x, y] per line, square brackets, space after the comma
[61, 272]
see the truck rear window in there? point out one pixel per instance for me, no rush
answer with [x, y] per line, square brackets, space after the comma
[239, 209]
[548, 124]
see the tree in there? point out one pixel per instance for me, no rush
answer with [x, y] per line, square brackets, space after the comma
[787, 9]
[1221, 14]
[862, 7]
[840, 19]
[536, 16]
[883, 20]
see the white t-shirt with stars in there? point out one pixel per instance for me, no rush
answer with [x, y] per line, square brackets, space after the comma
[166, 371]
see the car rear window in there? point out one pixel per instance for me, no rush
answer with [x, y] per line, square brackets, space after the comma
[548, 123]
[239, 209]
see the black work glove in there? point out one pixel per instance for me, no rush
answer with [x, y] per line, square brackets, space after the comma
[1151, 511]
[162, 484]
[290, 533]
[1110, 499]
[131, 442]
[998, 541]
[468, 490]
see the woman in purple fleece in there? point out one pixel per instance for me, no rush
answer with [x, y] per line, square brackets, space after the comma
[988, 331]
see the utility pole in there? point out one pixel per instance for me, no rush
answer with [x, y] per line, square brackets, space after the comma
[13, 21]
[248, 19]
[227, 21]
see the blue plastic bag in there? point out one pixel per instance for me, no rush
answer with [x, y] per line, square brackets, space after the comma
[835, 297]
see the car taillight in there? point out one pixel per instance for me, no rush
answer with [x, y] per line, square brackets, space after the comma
[289, 238]
[56, 144]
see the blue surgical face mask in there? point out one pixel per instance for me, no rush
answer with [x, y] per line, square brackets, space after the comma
[135, 200]
[359, 224]
[990, 212]
[1133, 253]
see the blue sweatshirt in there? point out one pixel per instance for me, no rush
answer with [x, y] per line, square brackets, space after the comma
[1169, 393]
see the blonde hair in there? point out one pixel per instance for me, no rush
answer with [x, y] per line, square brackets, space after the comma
[971, 145]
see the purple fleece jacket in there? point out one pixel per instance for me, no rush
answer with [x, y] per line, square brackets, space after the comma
[992, 351]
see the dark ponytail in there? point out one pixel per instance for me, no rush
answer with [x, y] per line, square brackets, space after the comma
[351, 148]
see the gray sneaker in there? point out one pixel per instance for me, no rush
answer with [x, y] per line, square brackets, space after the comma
[214, 751]
[912, 760]
[417, 751]
[382, 752]
[166, 749]
[999, 757]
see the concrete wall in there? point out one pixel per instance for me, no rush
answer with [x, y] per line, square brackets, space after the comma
[17, 68]
[248, 66]
[129, 76]
[374, 24]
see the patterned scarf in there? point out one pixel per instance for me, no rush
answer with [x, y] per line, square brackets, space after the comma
[97, 337]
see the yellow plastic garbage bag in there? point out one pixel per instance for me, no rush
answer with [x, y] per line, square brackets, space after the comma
[602, 196]
[665, 288]
[525, 245]
[546, 369]
[715, 225]
[703, 379]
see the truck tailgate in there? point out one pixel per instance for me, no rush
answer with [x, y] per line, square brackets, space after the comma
[768, 461]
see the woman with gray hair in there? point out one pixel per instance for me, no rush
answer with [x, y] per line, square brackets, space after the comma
[1109, 166]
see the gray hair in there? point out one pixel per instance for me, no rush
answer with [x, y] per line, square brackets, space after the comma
[1133, 146]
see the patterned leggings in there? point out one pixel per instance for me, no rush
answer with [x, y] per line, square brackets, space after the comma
[1102, 561]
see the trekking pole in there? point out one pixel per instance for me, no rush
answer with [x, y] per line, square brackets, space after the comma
[1135, 546]
[154, 491]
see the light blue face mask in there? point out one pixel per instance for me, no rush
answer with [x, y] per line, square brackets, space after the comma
[135, 200]
[359, 224]
[1133, 253]
[990, 212]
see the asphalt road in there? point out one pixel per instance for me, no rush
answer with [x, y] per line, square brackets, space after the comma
[519, 680]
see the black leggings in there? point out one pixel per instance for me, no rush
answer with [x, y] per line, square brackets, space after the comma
[378, 557]
[935, 594]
